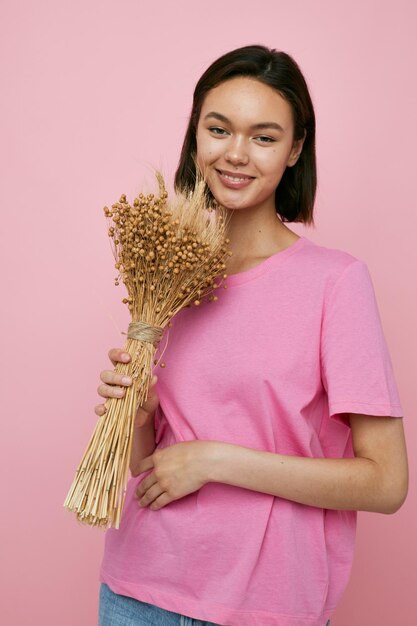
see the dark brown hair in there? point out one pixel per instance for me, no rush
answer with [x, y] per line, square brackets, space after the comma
[294, 197]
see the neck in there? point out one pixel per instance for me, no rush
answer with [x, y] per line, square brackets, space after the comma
[255, 234]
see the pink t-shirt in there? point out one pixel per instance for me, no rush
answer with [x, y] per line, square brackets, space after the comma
[290, 346]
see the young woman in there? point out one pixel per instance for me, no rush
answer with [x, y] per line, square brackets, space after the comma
[277, 416]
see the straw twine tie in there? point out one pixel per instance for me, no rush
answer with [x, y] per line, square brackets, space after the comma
[144, 332]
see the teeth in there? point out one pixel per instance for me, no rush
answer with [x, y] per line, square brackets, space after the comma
[234, 178]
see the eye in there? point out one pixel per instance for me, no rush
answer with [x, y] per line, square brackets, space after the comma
[214, 130]
[265, 137]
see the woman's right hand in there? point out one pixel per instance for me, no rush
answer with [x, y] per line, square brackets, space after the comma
[114, 386]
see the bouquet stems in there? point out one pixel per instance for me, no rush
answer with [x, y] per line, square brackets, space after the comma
[98, 491]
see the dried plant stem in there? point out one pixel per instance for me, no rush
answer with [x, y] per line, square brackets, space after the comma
[98, 492]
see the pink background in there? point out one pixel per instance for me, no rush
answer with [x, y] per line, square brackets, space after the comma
[93, 94]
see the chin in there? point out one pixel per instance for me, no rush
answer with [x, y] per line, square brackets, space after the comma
[233, 206]
[227, 202]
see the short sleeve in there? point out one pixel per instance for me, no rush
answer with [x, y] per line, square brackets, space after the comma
[356, 367]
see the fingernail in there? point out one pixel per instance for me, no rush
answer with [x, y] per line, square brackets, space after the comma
[119, 392]
[126, 380]
[125, 357]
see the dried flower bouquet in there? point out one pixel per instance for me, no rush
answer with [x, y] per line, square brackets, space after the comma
[168, 254]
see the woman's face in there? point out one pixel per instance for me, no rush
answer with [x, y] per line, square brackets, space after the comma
[245, 142]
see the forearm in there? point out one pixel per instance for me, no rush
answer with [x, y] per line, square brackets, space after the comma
[143, 445]
[344, 484]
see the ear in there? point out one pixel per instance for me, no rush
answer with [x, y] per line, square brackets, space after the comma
[296, 150]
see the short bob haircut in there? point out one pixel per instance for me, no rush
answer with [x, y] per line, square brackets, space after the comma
[294, 197]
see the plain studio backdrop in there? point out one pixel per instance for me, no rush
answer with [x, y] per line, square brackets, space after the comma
[96, 93]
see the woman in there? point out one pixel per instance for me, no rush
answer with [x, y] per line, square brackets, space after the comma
[277, 416]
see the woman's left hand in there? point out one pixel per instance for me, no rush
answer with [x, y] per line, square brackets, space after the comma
[178, 470]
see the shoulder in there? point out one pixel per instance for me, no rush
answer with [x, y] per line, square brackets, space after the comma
[331, 264]
[328, 257]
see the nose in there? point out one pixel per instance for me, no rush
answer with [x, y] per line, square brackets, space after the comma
[236, 152]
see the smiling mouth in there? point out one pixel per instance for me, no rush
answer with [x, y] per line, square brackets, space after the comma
[235, 177]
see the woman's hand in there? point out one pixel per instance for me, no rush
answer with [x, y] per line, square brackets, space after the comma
[114, 386]
[178, 470]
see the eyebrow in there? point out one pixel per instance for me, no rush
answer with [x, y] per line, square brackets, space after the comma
[260, 125]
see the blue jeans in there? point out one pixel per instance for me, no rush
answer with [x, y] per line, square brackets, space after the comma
[117, 610]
